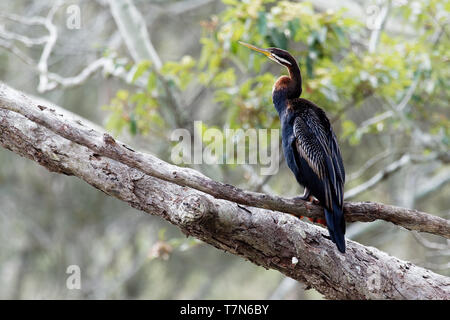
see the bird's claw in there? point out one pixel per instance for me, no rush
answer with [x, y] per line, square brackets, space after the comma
[309, 199]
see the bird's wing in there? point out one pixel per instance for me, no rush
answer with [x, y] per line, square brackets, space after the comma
[319, 157]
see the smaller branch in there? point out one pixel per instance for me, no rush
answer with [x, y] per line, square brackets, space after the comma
[29, 42]
[430, 244]
[105, 63]
[396, 110]
[409, 93]
[30, 21]
[134, 31]
[42, 66]
[369, 164]
[181, 7]
[380, 23]
[374, 120]
[433, 184]
[16, 51]
[381, 175]
[387, 172]
[48, 80]
[102, 63]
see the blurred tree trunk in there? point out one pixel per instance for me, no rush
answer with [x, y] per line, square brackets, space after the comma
[65, 144]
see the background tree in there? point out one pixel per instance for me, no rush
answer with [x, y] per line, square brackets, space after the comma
[379, 70]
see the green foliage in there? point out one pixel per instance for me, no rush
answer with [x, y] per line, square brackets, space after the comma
[179, 72]
[249, 106]
[339, 74]
[319, 36]
[136, 111]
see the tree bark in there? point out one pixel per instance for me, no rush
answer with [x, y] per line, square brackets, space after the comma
[237, 224]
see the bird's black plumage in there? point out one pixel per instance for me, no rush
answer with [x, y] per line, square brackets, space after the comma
[309, 144]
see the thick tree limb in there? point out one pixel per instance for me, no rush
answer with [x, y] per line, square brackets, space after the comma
[268, 238]
[105, 145]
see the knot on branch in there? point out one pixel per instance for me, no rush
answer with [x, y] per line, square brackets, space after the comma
[192, 210]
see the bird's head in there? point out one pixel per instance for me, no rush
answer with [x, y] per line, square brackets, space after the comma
[292, 85]
[280, 56]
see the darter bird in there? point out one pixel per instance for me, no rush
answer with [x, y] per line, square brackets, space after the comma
[310, 146]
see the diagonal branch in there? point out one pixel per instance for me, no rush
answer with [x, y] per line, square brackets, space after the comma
[8, 45]
[42, 66]
[387, 171]
[134, 31]
[434, 183]
[48, 80]
[268, 238]
[105, 145]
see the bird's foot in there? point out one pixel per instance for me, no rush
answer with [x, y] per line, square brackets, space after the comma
[307, 198]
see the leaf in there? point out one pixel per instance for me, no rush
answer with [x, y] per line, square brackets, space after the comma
[309, 66]
[162, 234]
[151, 82]
[133, 125]
[141, 68]
[122, 95]
[339, 33]
[278, 39]
[322, 34]
[262, 23]
[230, 2]
[294, 25]
[348, 128]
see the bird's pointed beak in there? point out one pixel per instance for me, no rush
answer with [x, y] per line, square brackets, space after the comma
[263, 51]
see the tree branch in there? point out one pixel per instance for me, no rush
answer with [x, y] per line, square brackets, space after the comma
[132, 27]
[42, 66]
[192, 202]
[134, 31]
[48, 80]
[379, 26]
[388, 170]
[105, 145]
[434, 183]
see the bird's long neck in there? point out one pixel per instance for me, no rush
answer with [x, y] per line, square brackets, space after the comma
[295, 85]
[287, 88]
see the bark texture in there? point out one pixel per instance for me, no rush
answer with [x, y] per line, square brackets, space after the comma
[238, 224]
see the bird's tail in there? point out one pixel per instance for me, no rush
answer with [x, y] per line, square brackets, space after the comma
[336, 226]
